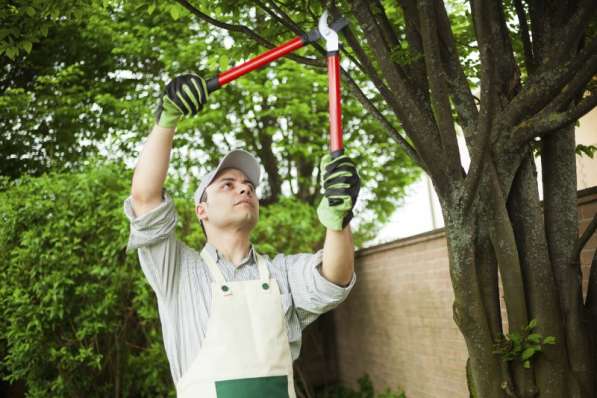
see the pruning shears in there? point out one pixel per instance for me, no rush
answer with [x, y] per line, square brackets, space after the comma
[323, 30]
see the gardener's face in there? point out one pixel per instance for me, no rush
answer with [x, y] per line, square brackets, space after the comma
[231, 202]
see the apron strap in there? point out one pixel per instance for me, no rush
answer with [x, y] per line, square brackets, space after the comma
[215, 272]
[262, 267]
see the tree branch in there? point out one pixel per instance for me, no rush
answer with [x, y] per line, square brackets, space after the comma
[524, 36]
[437, 84]
[283, 18]
[413, 113]
[544, 123]
[591, 300]
[463, 98]
[573, 29]
[587, 234]
[394, 134]
[248, 32]
[385, 27]
[574, 87]
[367, 68]
[538, 19]
[415, 45]
[547, 82]
[492, 32]
[480, 148]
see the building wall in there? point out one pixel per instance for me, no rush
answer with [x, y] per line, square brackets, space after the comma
[397, 323]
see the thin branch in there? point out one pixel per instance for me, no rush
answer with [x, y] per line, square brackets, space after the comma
[486, 112]
[248, 32]
[591, 300]
[368, 69]
[283, 18]
[394, 134]
[413, 37]
[539, 22]
[353, 87]
[525, 37]
[480, 148]
[587, 234]
[464, 101]
[544, 123]
[385, 27]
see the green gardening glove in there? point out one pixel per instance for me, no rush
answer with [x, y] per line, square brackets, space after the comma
[341, 184]
[184, 95]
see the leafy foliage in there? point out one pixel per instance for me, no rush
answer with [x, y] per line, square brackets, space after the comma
[91, 86]
[75, 309]
[77, 317]
[523, 345]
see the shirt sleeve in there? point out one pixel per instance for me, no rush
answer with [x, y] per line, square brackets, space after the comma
[153, 235]
[312, 293]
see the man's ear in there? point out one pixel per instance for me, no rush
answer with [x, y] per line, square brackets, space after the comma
[201, 211]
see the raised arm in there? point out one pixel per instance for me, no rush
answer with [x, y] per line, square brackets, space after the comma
[151, 170]
[341, 184]
[184, 95]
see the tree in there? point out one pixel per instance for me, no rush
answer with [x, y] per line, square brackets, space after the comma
[534, 63]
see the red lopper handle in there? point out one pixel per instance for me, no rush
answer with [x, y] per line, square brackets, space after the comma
[335, 104]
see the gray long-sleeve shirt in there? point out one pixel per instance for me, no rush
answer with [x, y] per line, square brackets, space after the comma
[181, 281]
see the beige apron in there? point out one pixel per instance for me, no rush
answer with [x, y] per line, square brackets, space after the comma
[245, 352]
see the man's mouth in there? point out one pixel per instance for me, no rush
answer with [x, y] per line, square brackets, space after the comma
[244, 202]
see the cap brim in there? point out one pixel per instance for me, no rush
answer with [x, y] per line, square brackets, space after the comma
[238, 159]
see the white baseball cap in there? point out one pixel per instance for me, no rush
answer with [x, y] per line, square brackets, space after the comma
[238, 159]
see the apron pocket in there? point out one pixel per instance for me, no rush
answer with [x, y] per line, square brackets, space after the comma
[257, 387]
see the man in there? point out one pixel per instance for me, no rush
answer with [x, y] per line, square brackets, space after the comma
[231, 318]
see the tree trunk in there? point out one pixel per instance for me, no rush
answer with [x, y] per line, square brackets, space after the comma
[469, 311]
[558, 159]
[550, 366]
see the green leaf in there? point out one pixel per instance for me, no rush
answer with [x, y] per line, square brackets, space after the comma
[549, 340]
[224, 62]
[515, 337]
[528, 353]
[532, 324]
[526, 364]
[151, 9]
[12, 52]
[30, 11]
[534, 338]
[26, 45]
[586, 150]
[175, 12]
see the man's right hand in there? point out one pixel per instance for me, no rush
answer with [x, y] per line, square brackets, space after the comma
[185, 95]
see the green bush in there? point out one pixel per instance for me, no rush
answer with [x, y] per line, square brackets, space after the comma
[77, 317]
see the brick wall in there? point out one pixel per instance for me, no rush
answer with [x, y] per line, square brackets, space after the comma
[397, 323]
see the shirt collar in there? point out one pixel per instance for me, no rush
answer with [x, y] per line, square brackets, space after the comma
[215, 253]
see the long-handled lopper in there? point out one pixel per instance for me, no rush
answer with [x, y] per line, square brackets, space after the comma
[334, 97]
[323, 30]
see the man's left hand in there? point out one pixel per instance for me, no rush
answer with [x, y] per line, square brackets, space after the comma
[341, 184]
